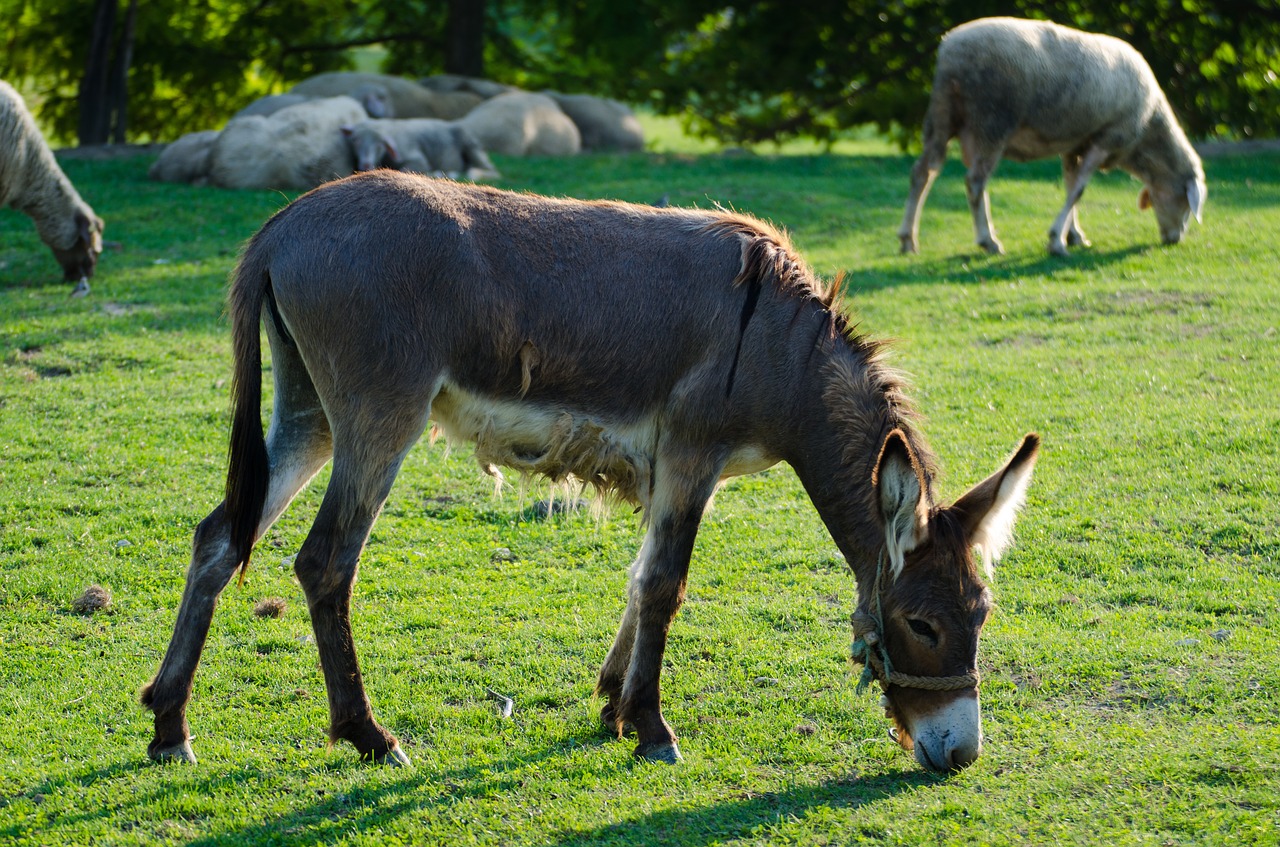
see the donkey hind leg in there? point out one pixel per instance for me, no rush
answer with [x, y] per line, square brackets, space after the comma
[923, 173]
[1076, 172]
[363, 471]
[298, 445]
[655, 592]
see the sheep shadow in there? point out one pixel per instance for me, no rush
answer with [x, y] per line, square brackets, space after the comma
[978, 268]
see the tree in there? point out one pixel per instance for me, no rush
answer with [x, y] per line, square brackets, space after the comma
[777, 68]
[746, 72]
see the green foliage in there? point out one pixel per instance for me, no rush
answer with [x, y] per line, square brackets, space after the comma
[778, 69]
[768, 70]
[1130, 692]
[193, 63]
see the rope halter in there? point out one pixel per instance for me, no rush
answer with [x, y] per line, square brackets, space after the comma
[869, 651]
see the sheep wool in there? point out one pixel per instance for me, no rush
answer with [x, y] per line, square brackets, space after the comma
[32, 182]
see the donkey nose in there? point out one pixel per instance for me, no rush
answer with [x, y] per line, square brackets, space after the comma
[963, 755]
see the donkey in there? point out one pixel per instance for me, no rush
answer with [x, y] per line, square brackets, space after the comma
[650, 353]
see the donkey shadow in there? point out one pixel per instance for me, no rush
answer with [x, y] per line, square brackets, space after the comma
[330, 817]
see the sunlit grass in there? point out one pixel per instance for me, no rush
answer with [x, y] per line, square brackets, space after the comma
[1131, 670]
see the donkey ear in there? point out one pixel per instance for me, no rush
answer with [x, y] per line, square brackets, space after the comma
[900, 487]
[987, 510]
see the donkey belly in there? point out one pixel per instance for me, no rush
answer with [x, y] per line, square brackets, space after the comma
[559, 443]
[556, 442]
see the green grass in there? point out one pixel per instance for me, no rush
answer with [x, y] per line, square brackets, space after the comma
[1131, 667]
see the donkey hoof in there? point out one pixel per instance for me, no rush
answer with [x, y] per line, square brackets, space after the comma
[181, 753]
[665, 752]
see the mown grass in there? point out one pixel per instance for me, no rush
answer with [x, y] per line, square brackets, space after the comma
[1131, 668]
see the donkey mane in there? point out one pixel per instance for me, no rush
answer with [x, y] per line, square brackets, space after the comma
[862, 393]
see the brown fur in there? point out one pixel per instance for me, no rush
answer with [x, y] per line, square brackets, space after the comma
[648, 352]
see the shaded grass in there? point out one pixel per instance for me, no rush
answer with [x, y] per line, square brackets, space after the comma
[1130, 669]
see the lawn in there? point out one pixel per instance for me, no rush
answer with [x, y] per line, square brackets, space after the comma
[1132, 667]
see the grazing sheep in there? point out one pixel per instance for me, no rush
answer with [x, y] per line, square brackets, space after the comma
[604, 124]
[407, 98]
[32, 182]
[299, 146]
[521, 123]
[373, 96]
[422, 145]
[1032, 89]
[185, 160]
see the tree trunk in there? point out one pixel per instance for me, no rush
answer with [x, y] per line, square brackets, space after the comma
[94, 107]
[464, 38]
[118, 88]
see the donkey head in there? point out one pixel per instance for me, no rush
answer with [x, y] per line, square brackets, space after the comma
[931, 600]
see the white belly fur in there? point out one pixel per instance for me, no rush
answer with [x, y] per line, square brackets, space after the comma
[564, 445]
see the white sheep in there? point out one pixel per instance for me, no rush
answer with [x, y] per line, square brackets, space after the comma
[521, 123]
[1032, 89]
[373, 96]
[407, 98]
[299, 146]
[484, 88]
[422, 145]
[185, 160]
[32, 182]
[603, 123]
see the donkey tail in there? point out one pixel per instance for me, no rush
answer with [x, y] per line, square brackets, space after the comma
[248, 467]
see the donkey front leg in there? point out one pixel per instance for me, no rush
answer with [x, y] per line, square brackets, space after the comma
[631, 672]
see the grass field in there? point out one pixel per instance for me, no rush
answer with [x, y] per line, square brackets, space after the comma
[1132, 668]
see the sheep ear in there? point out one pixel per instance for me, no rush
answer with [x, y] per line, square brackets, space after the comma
[1144, 200]
[392, 152]
[900, 490]
[987, 510]
[89, 231]
[1196, 191]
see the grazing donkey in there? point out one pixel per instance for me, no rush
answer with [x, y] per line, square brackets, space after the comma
[648, 352]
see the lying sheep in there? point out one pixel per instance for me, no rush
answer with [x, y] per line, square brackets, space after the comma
[299, 146]
[373, 96]
[604, 124]
[185, 160]
[1033, 89]
[521, 123]
[407, 98]
[32, 182]
[422, 145]
[484, 88]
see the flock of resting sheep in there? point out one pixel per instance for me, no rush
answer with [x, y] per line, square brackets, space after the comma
[1006, 88]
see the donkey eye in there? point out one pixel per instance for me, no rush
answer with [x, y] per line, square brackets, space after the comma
[922, 629]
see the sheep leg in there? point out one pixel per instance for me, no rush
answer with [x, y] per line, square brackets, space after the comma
[982, 165]
[923, 173]
[1076, 171]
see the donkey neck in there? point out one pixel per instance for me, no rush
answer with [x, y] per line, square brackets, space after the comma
[849, 405]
